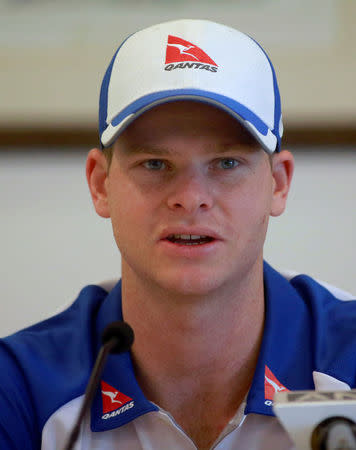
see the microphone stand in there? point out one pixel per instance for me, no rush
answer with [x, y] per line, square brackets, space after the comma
[90, 390]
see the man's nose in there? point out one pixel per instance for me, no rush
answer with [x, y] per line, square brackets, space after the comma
[190, 192]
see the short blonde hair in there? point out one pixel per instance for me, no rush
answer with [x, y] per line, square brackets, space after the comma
[108, 152]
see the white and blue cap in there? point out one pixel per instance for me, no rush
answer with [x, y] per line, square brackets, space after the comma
[195, 60]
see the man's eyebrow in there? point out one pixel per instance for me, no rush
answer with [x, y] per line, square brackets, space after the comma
[136, 150]
[237, 148]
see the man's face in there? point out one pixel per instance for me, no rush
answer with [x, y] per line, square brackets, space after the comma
[189, 194]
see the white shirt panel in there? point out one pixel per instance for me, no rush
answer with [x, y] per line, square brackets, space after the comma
[158, 431]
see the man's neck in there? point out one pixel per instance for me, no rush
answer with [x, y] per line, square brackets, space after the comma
[198, 353]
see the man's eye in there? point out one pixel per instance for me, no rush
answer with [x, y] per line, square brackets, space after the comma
[228, 163]
[154, 164]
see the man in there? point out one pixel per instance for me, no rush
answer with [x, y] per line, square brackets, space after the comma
[191, 168]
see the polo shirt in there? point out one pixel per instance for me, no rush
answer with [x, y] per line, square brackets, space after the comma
[309, 342]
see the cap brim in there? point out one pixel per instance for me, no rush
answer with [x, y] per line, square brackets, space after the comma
[257, 128]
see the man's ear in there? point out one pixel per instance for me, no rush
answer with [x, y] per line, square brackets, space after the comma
[282, 172]
[96, 172]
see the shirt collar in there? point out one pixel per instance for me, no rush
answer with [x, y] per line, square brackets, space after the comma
[282, 363]
[119, 375]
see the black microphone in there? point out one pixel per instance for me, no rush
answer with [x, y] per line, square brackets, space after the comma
[116, 338]
[334, 433]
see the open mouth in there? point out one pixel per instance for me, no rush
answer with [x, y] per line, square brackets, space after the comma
[189, 239]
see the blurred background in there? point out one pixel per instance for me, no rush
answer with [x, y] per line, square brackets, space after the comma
[53, 56]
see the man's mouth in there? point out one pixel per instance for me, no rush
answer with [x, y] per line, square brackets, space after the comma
[189, 239]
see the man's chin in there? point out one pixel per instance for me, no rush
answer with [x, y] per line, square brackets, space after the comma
[190, 285]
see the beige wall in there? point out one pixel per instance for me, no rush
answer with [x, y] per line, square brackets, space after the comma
[53, 55]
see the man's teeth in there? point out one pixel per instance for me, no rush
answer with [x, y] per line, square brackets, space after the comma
[188, 236]
[189, 239]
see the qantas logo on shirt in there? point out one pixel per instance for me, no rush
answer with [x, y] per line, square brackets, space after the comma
[272, 385]
[187, 56]
[114, 402]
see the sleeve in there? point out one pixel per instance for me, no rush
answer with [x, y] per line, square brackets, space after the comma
[18, 418]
